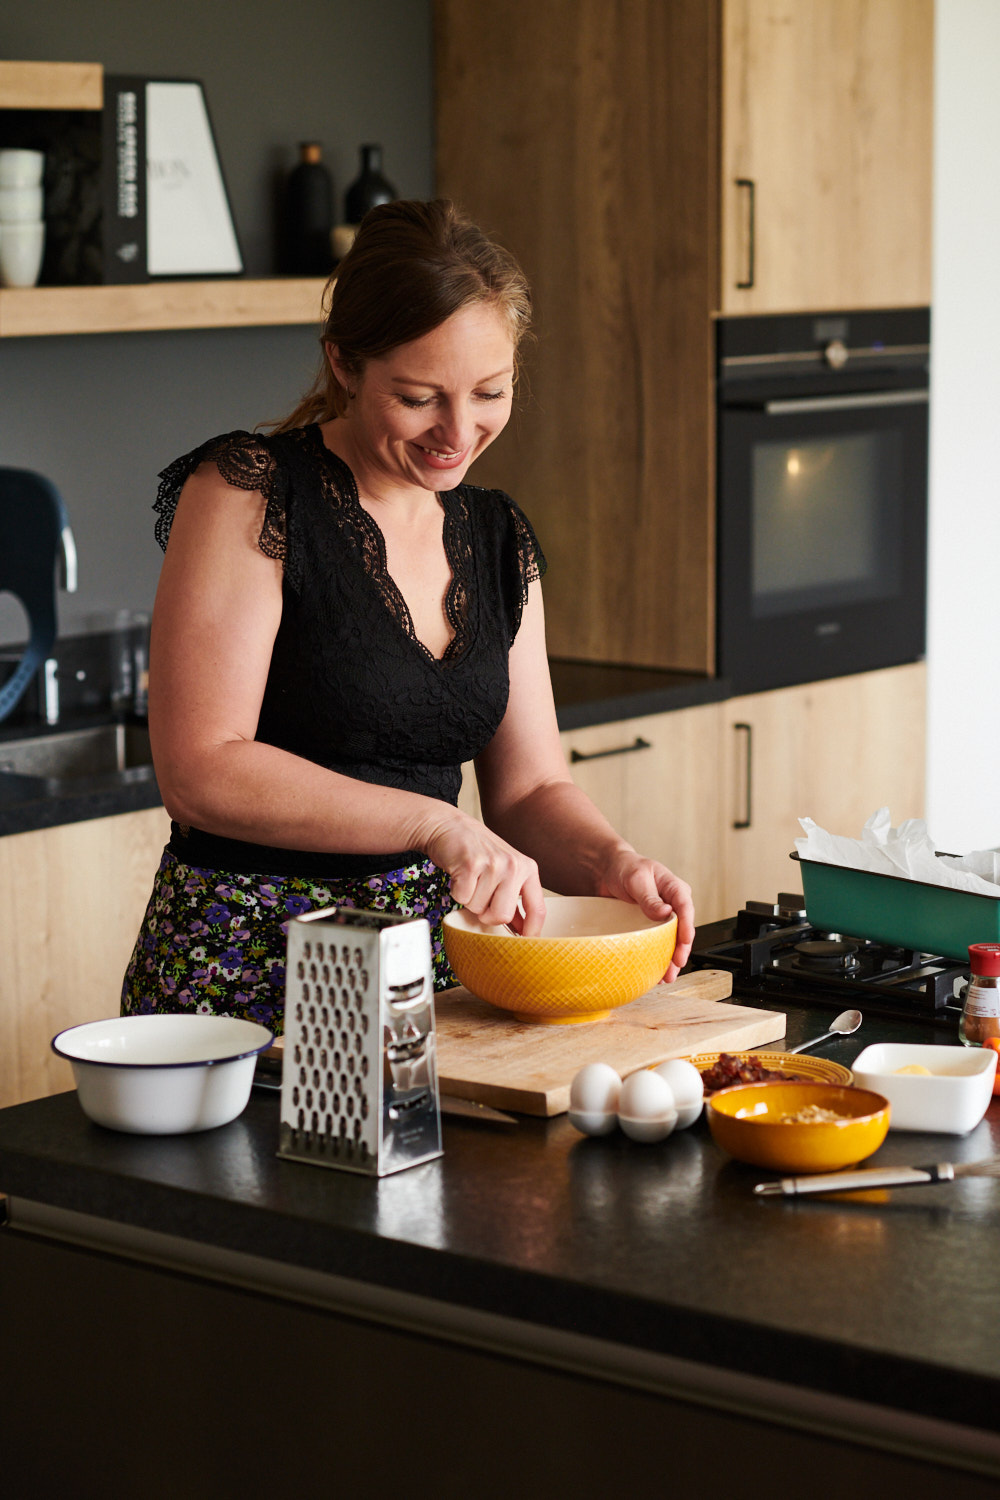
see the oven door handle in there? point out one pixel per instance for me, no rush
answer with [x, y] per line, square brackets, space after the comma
[847, 403]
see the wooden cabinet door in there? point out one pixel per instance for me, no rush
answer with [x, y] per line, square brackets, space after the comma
[832, 751]
[71, 902]
[657, 781]
[827, 127]
[600, 174]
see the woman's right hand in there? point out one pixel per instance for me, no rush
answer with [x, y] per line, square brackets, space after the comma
[489, 877]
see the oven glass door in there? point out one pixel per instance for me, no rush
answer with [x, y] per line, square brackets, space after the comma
[822, 535]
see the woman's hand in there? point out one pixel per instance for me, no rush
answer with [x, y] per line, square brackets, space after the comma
[659, 892]
[488, 877]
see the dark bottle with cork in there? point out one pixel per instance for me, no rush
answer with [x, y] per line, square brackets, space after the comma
[308, 216]
[369, 188]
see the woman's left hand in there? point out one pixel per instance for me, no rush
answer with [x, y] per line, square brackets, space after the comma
[659, 892]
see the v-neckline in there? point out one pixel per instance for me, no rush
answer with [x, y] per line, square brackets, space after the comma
[385, 584]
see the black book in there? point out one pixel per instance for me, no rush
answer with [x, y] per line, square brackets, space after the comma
[123, 179]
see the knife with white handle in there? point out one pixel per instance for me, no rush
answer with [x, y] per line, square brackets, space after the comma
[878, 1177]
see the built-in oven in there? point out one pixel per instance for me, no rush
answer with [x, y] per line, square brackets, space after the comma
[822, 426]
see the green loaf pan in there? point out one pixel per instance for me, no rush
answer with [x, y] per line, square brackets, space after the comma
[904, 913]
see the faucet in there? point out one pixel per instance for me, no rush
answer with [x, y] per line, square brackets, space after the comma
[50, 667]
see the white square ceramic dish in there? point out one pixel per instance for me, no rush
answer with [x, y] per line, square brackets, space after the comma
[952, 1100]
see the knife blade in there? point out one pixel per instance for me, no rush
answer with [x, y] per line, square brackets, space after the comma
[471, 1109]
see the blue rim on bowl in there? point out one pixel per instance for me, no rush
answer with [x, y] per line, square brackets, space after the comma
[194, 1062]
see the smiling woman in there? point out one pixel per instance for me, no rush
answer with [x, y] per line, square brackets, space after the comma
[343, 621]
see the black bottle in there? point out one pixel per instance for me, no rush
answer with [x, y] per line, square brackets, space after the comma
[368, 188]
[308, 218]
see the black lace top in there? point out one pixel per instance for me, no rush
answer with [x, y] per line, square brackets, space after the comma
[350, 686]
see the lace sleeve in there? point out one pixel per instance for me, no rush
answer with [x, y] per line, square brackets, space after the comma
[245, 461]
[524, 559]
[531, 558]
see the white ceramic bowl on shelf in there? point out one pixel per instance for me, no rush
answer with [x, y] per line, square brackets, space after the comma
[21, 169]
[951, 1097]
[21, 205]
[163, 1075]
[22, 250]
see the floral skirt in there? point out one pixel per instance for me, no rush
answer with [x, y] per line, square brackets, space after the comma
[214, 943]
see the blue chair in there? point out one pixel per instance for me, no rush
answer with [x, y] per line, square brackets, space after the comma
[34, 533]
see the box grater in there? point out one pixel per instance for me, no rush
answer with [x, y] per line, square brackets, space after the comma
[359, 1085]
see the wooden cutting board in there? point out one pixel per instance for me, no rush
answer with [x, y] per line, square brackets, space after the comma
[486, 1055]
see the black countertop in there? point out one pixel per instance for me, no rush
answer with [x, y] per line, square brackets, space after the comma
[883, 1299]
[594, 693]
[585, 693]
[28, 803]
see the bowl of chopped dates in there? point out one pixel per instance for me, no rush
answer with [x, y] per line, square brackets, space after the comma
[723, 1070]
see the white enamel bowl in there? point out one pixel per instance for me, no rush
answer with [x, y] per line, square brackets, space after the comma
[163, 1075]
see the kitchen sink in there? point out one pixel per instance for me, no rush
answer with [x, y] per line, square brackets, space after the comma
[69, 754]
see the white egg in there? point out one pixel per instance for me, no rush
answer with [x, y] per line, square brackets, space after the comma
[595, 1089]
[688, 1089]
[646, 1108]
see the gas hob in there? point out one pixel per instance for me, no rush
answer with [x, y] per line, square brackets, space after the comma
[773, 951]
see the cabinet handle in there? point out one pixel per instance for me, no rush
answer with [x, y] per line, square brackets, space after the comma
[751, 187]
[745, 821]
[637, 744]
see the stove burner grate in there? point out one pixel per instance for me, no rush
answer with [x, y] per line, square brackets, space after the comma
[772, 949]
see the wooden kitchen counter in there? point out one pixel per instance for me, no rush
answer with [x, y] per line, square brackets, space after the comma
[532, 1312]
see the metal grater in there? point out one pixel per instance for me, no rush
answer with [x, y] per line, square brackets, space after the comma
[359, 1085]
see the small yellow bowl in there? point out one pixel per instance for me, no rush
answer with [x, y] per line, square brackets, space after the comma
[594, 954]
[748, 1121]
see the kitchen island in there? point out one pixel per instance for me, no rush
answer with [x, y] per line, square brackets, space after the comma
[532, 1311]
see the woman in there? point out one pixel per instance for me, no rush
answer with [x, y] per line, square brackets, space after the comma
[341, 622]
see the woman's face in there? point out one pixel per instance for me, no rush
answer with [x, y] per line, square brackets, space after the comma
[422, 413]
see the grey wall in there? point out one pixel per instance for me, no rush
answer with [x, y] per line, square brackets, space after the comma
[100, 415]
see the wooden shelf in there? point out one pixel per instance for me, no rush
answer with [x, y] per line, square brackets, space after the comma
[159, 305]
[43, 85]
[148, 306]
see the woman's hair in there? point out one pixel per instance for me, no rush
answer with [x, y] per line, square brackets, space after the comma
[412, 265]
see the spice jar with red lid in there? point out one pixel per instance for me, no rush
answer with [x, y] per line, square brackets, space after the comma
[981, 1011]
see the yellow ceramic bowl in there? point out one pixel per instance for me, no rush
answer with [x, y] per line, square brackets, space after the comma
[593, 955]
[748, 1122]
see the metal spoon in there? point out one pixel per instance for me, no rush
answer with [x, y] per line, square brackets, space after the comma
[845, 1023]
